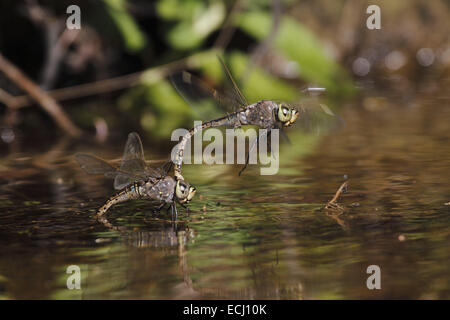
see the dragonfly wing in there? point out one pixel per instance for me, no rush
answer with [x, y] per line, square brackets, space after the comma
[196, 91]
[317, 118]
[165, 168]
[133, 151]
[122, 180]
[234, 90]
[132, 162]
[133, 166]
[94, 165]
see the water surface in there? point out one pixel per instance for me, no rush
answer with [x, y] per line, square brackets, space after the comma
[248, 237]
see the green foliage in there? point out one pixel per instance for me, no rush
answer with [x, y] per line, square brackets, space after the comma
[194, 21]
[298, 43]
[134, 39]
[259, 83]
[190, 22]
[169, 107]
[178, 10]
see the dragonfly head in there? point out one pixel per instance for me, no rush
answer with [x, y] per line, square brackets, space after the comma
[184, 192]
[286, 114]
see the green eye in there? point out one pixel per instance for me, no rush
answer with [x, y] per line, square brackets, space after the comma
[191, 194]
[284, 113]
[181, 190]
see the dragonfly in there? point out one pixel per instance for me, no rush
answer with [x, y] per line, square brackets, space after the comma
[266, 114]
[136, 180]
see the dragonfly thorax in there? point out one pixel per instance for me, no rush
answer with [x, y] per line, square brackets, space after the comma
[269, 114]
[260, 114]
[159, 189]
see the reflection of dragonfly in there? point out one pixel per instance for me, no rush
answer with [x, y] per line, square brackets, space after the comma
[137, 180]
[265, 114]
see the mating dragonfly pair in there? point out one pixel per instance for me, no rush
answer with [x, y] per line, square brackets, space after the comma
[138, 181]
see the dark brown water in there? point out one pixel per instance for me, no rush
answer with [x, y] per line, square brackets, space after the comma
[249, 237]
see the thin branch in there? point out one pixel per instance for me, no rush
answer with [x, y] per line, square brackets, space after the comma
[45, 101]
[84, 90]
[8, 99]
[55, 53]
[98, 87]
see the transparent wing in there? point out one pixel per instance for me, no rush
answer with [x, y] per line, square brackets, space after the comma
[234, 90]
[133, 164]
[133, 155]
[196, 92]
[165, 168]
[94, 165]
[317, 118]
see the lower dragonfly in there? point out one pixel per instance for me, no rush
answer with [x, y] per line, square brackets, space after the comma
[266, 114]
[138, 181]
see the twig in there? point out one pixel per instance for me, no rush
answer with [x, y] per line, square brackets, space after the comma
[55, 46]
[8, 99]
[56, 51]
[45, 101]
[84, 90]
[332, 204]
[98, 87]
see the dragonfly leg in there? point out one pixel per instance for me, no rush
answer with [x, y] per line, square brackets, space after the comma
[176, 211]
[187, 208]
[161, 206]
[252, 146]
[269, 142]
[246, 161]
[168, 208]
[285, 137]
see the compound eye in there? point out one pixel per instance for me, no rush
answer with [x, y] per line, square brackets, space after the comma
[191, 194]
[284, 113]
[181, 190]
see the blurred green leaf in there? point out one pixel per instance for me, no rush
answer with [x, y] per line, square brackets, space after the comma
[178, 10]
[134, 39]
[259, 83]
[298, 43]
[170, 109]
[182, 36]
[189, 33]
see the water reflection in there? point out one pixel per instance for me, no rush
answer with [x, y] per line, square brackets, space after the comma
[251, 237]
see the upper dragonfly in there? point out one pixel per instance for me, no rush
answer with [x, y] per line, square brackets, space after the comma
[138, 181]
[266, 114]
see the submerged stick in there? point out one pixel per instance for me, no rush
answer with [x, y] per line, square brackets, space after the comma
[332, 204]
